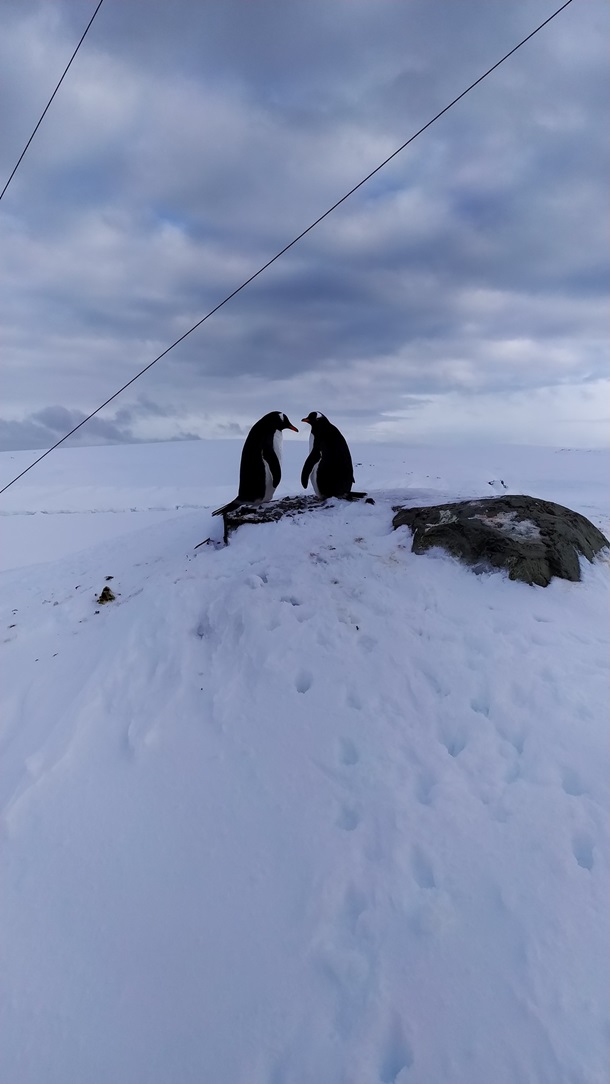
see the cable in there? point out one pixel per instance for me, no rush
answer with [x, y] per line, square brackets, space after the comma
[22, 155]
[286, 247]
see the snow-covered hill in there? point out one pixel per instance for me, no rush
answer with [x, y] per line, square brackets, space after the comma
[308, 809]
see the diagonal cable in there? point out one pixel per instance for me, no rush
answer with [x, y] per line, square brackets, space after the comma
[286, 247]
[46, 108]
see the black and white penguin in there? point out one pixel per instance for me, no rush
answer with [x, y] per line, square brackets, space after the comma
[260, 469]
[329, 464]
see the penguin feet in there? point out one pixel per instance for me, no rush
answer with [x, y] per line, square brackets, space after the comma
[234, 505]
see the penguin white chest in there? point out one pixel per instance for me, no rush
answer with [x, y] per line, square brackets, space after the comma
[313, 477]
[278, 442]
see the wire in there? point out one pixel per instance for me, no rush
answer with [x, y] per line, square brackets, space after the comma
[22, 155]
[286, 247]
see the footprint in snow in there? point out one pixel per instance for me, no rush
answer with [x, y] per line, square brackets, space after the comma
[348, 818]
[480, 705]
[517, 741]
[454, 744]
[303, 681]
[348, 753]
[582, 846]
[424, 787]
[422, 870]
[397, 1055]
[302, 613]
[512, 773]
[572, 784]
[437, 683]
[203, 629]
[255, 581]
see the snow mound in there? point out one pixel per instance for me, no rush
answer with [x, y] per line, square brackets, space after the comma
[309, 808]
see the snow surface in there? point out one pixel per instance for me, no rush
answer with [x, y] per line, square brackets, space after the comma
[509, 524]
[307, 809]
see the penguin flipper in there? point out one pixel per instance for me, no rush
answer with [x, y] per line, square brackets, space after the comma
[308, 466]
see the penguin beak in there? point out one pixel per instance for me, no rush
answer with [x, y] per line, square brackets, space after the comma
[306, 420]
[294, 428]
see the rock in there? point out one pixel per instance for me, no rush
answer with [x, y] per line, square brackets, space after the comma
[268, 513]
[275, 510]
[106, 596]
[533, 539]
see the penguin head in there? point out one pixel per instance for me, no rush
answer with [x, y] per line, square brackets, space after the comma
[280, 421]
[313, 417]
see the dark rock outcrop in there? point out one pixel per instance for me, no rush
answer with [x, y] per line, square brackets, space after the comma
[106, 595]
[275, 510]
[270, 512]
[533, 539]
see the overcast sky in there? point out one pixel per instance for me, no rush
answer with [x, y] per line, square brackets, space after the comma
[461, 295]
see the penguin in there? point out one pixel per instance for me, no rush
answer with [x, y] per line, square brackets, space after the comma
[260, 469]
[329, 464]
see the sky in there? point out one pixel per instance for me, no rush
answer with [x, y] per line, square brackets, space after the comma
[459, 296]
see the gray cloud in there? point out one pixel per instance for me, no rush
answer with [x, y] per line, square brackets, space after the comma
[44, 427]
[186, 148]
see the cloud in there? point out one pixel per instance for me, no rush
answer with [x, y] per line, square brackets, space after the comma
[44, 427]
[186, 148]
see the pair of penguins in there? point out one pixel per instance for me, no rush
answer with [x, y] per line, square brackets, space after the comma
[328, 465]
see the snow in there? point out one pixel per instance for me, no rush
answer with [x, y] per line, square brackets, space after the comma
[307, 809]
[509, 524]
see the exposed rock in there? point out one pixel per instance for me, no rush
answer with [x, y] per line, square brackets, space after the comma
[533, 539]
[275, 510]
[106, 596]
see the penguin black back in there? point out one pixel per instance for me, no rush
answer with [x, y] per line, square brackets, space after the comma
[329, 463]
[260, 468]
